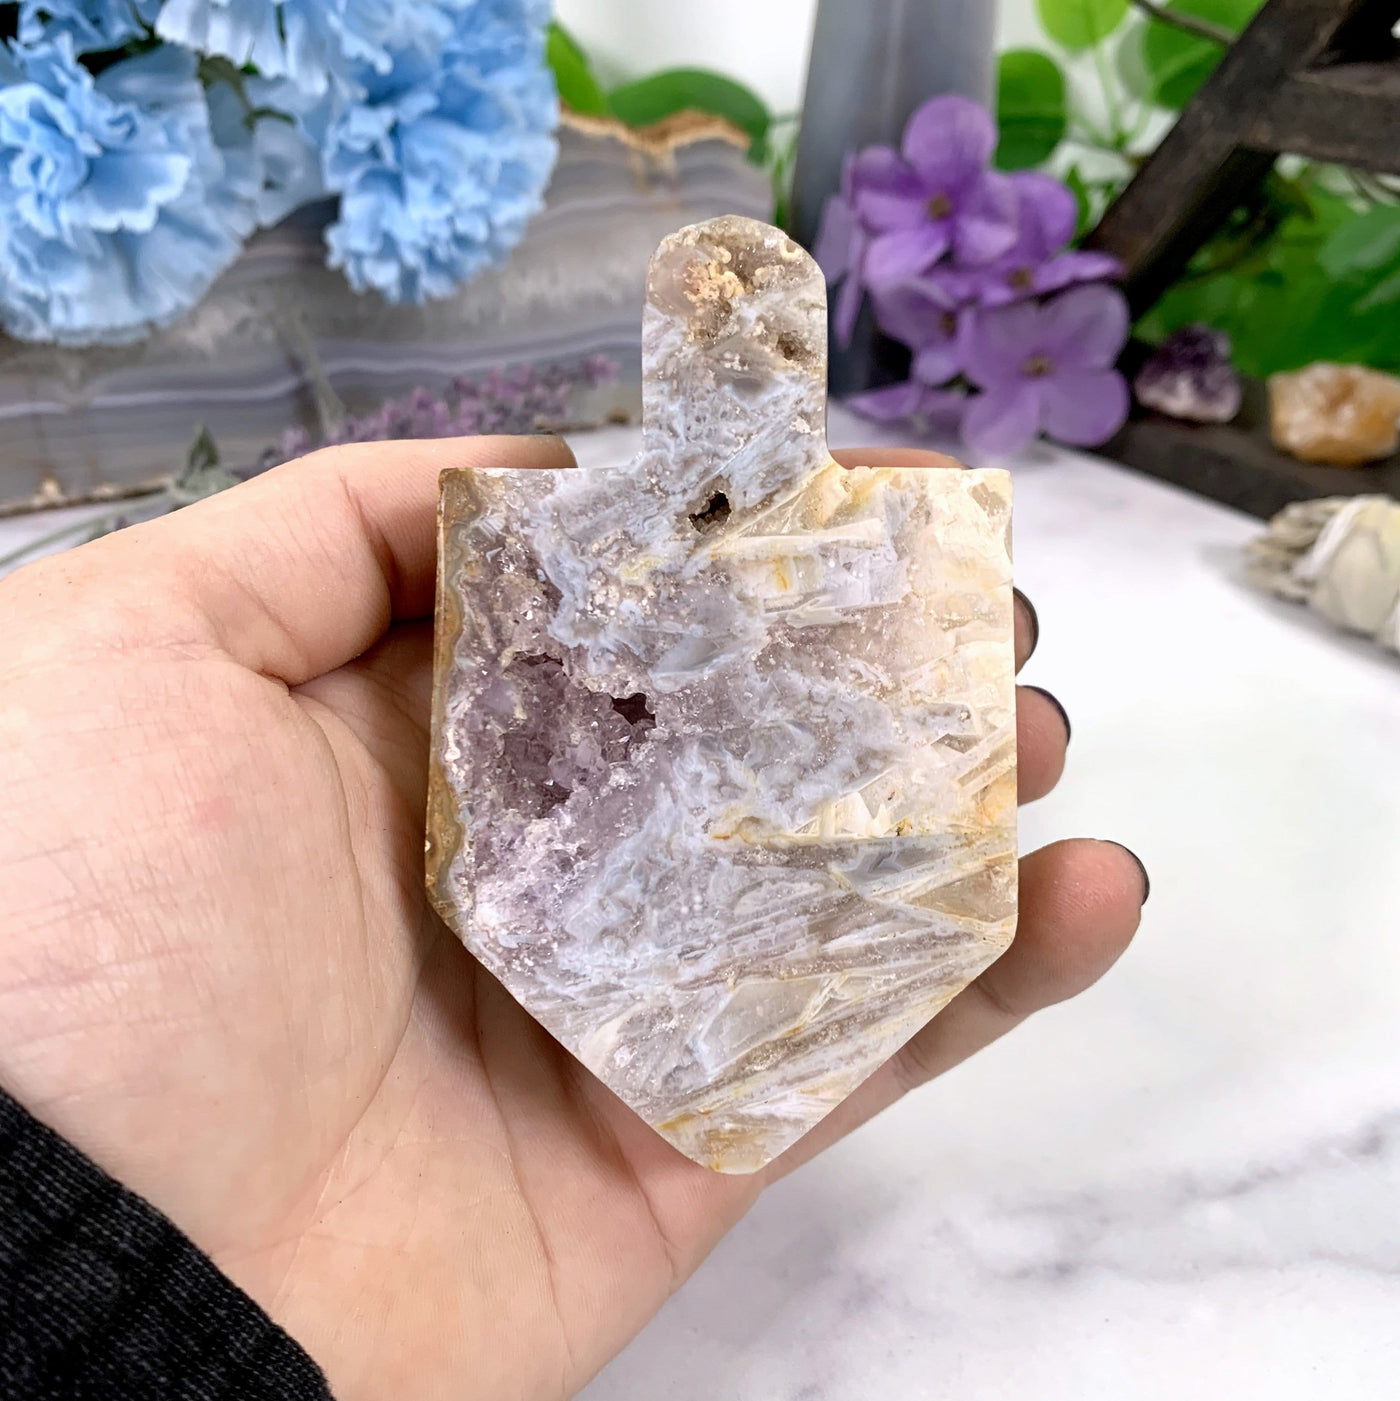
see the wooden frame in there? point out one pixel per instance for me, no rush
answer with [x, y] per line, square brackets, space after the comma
[1317, 78]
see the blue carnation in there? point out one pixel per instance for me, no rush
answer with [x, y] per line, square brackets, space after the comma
[315, 44]
[442, 159]
[93, 25]
[294, 39]
[121, 204]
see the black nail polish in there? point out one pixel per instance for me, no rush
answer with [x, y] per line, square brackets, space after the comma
[1146, 879]
[1064, 714]
[1035, 622]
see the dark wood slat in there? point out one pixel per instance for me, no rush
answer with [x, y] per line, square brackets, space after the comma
[1318, 78]
[1237, 464]
[1156, 226]
[1349, 114]
[1213, 155]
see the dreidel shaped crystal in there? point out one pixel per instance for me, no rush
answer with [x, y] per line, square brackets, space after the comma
[723, 780]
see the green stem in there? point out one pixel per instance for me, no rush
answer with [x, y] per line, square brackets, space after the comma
[1084, 134]
[1110, 97]
[1188, 24]
[1099, 145]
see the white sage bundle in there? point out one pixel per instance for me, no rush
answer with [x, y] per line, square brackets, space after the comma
[1339, 555]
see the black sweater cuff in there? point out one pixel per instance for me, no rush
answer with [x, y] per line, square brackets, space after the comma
[101, 1296]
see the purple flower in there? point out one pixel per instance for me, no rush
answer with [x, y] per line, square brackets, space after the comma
[1037, 263]
[899, 403]
[938, 195]
[927, 319]
[931, 321]
[840, 252]
[1048, 367]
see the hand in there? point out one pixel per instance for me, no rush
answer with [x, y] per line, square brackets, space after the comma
[220, 977]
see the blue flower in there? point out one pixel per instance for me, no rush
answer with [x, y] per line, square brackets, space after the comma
[315, 44]
[93, 25]
[270, 168]
[121, 205]
[295, 39]
[442, 159]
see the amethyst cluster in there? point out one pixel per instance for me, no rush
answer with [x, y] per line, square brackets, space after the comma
[1012, 332]
[1191, 376]
[517, 400]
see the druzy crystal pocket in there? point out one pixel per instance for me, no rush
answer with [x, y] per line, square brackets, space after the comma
[723, 778]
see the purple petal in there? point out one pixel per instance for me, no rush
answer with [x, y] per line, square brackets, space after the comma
[1004, 420]
[877, 166]
[985, 225]
[1071, 268]
[914, 312]
[887, 194]
[1000, 342]
[950, 141]
[1085, 328]
[835, 237]
[937, 364]
[1085, 407]
[1002, 289]
[1049, 212]
[904, 255]
[943, 408]
[889, 404]
[961, 287]
[891, 213]
[848, 308]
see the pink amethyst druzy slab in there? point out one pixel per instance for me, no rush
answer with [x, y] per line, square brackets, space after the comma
[723, 780]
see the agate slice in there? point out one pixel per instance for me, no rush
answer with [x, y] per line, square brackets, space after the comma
[723, 778]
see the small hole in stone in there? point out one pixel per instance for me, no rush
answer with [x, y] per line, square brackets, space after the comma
[714, 514]
[790, 348]
[636, 711]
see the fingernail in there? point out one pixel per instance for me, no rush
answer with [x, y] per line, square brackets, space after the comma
[1054, 700]
[1146, 879]
[1035, 621]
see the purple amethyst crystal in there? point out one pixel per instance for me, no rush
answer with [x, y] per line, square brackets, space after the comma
[1191, 376]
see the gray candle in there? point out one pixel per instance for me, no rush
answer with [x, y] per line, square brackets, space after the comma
[873, 62]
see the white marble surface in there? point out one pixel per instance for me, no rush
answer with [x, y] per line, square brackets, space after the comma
[1188, 1181]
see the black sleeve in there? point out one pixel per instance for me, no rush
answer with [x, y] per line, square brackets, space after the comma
[101, 1296]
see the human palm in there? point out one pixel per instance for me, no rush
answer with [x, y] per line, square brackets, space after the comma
[220, 976]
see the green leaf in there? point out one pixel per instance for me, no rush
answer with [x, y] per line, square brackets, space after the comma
[1031, 109]
[1369, 241]
[1130, 63]
[573, 75]
[1080, 24]
[694, 89]
[784, 158]
[1178, 63]
[1281, 308]
[1385, 295]
[1080, 189]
